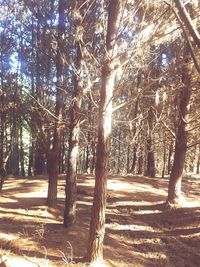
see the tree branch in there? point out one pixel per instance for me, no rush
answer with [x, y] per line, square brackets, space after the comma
[185, 17]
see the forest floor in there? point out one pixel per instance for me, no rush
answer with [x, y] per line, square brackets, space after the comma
[139, 232]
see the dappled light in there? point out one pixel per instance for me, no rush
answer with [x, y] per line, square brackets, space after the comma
[99, 133]
[137, 224]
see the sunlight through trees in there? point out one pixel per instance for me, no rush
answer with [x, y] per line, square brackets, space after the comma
[97, 88]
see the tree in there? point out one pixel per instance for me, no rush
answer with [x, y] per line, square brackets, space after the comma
[109, 68]
[54, 152]
[175, 181]
[75, 116]
[187, 20]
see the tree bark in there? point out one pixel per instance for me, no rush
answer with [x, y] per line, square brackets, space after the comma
[132, 170]
[97, 223]
[174, 189]
[21, 155]
[164, 161]
[128, 159]
[53, 155]
[198, 159]
[169, 157]
[71, 179]
[151, 169]
[185, 17]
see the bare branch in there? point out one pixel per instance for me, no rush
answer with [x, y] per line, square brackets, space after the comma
[185, 17]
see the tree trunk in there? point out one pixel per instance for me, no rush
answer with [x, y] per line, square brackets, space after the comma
[97, 223]
[93, 157]
[53, 155]
[133, 166]
[169, 157]
[140, 164]
[132, 170]
[31, 163]
[40, 156]
[87, 163]
[2, 167]
[174, 189]
[164, 161]
[71, 179]
[119, 152]
[198, 159]
[187, 20]
[21, 155]
[1, 140]
[151, 169]
[128, 159]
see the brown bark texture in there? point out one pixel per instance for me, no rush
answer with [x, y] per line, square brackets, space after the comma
[74, 128]
[53, 155]
[151, 169]
[174, 188]
[186, 19]
[71, 179]
[97, 223]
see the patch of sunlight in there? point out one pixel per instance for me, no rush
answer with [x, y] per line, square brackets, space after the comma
[99, 264]
[87, 182]
[13, 261]
[86, 203]
[126, 204]
[33, 194]
[61, 195]
[136, 187]
[187, 202]
[39, 215]
[155, 255]
[26, 241]
[8, 237]
[148, 188]
[130, 227]
[122, 203]
[147, 211]
[117, 185]
[8, 200]
[144, 241]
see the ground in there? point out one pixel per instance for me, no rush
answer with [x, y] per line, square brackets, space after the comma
[139, 230]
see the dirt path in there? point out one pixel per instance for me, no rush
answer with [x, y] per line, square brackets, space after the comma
[138, 231]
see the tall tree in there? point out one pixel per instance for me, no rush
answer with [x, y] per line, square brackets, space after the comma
[75, 116]
[109, 68]
[53, 155]
[175, 182]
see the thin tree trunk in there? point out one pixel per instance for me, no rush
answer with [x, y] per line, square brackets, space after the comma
[87, 164]
[119, 152]
[164, 161]
[2, 119]
[140, 164]
[128, 159]
[93, 157]
[22, 169]
[198, 159]
[169, 157]
[53, 155]
[151, 169]
[133, 166]
[97, 223]
[134, 159]
[1, 139]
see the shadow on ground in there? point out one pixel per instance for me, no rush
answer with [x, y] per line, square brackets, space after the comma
[140, 231]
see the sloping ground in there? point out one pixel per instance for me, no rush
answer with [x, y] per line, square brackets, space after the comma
[139, 231]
